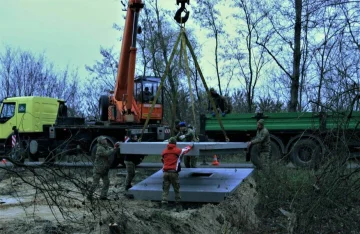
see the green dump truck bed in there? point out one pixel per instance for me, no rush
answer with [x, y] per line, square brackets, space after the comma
[302, 136]
[283, 121]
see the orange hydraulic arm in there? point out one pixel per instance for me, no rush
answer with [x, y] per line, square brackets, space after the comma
[123, 105]
[126, 71]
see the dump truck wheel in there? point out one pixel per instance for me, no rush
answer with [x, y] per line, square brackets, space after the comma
[103, 107]
[275, 153]
[305, 153]
[254, 155]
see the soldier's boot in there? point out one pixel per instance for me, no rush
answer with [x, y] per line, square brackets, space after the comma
[178, 207]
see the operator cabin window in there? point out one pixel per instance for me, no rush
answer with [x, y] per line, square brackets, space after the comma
[8, 110]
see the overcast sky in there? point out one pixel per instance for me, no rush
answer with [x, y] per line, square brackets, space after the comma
[68, 31]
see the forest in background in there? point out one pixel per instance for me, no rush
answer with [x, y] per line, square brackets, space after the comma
[292, 56]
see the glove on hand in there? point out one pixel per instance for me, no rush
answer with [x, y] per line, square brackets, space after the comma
[182, 137]
[213, 114]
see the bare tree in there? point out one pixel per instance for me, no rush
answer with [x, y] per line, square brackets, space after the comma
[210, 18]
[25, 74]
[249, 58]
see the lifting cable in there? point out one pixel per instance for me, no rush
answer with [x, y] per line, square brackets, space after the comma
[183, 50]
[185, 41]
[206, 87]
[160, 86]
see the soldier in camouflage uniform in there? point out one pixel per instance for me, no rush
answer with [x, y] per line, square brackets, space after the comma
[101, 168]
[222, 104]
[263, 139]
[187, 135]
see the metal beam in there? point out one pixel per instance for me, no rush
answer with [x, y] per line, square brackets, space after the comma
[200, 148]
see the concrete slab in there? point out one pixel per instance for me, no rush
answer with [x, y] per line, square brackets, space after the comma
[196, 184]
[200, 148]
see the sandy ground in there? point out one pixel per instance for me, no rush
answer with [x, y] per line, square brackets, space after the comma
[52, 201]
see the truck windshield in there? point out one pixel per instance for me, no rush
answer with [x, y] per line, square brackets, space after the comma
[7, 110]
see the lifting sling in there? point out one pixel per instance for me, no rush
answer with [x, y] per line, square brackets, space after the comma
[185, 43]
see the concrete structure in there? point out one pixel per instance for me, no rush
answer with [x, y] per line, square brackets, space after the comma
[200, 148]
[197, 184]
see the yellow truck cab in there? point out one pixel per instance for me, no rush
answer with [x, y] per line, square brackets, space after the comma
[28, 115]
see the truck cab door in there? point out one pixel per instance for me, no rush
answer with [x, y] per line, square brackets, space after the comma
[8, 119]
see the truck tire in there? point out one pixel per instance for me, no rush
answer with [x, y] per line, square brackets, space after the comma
[305, 153]
[254, 155]
[103, 107]
[275, 153]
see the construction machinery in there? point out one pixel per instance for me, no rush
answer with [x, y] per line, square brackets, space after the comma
[42, 128]
[121, 105]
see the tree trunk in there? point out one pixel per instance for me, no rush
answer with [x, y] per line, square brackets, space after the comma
[294, 89]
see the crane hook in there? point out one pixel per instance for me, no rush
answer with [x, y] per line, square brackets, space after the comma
[178, 17]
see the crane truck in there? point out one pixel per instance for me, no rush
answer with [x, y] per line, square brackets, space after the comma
[42, 128]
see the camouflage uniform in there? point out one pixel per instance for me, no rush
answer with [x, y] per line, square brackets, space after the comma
[263, 140]
[189, 161]
[221, 102]
[101, 169]
[171, 178]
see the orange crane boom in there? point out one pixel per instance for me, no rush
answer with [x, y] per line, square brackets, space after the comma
[126, 71]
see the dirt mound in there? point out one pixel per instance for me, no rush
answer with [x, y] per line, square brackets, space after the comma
[234, 215]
